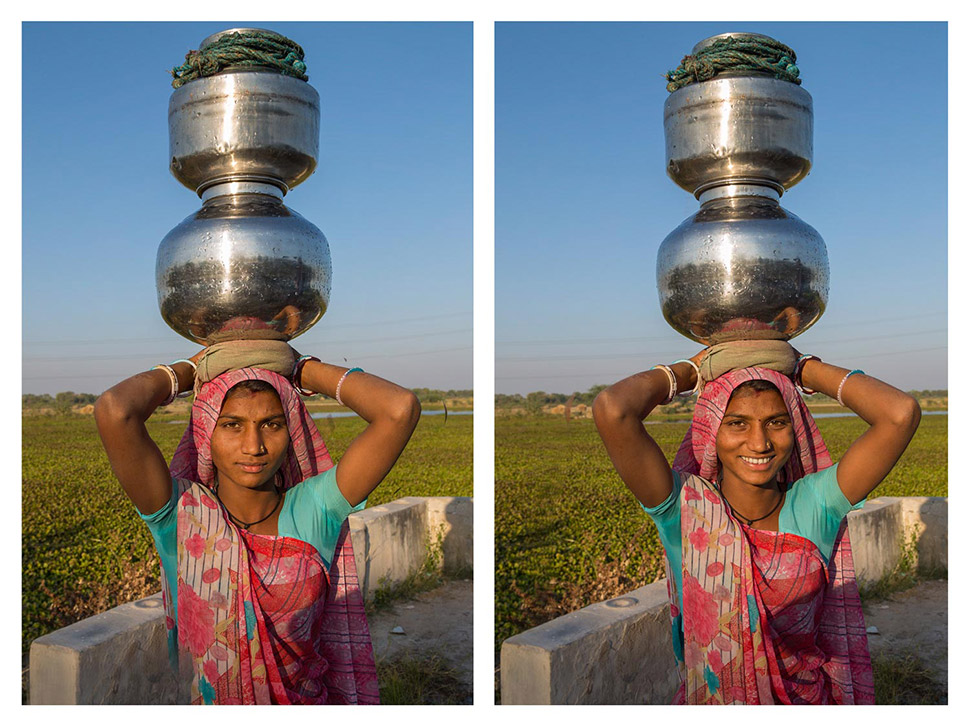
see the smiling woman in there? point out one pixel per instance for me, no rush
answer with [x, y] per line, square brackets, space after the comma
[249, 520]
[751, 515]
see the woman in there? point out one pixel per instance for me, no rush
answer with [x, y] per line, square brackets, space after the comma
[259, 580]
[764, 605]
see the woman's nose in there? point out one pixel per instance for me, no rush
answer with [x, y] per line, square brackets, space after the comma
[253, 443]
[758, 439]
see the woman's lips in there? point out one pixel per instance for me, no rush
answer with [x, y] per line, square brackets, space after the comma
[252, 468]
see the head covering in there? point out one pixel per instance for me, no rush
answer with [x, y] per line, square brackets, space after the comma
[307, 454]
[251, 642]
[729, 654]
[698, 451]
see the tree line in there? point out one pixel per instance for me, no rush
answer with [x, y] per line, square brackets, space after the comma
[66, 400]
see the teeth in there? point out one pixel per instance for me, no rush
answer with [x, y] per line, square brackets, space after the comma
[752, 460]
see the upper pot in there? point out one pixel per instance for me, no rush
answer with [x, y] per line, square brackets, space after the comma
[738, 129]
[244, 126]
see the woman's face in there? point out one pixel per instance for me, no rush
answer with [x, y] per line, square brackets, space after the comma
[250, 440]
[755, 438]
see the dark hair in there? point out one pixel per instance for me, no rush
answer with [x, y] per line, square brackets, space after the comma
[757, 385]
[251, 386]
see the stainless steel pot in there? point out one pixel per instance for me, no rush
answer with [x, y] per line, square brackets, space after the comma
[243, 266]
[243, 126]
[742, 267]
[752, 130]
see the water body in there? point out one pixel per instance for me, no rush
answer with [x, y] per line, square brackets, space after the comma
[348, 414]
[839, 414]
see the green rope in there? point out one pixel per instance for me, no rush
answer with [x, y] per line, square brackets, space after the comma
[735, 54]
[246, 50]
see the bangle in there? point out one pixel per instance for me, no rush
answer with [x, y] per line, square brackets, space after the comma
[297, 375]
[336, 394]
[797, 378]
[673, 382]
[697, 372]
[838, 395]
[187, 392]
[174, 379]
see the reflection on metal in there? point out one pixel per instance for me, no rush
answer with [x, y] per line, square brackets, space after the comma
[742, 266]
[245, 265]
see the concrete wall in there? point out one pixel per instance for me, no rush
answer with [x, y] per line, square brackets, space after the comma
[391, 540]
[619, 651]
[120, 656]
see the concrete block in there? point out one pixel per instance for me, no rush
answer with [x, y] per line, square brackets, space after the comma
[925, 521]
[876, 535]
[119, 656]
[614, 652]
[451, 517]
[389, 542]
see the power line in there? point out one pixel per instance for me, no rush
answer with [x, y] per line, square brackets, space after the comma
[580, 341]
[600, 373]
[132, 356]
[168, 339]
[607, 356]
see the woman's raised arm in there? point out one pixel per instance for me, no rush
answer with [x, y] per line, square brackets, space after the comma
[120, 414]
[618, 412]
[391, 413]
[892, 415]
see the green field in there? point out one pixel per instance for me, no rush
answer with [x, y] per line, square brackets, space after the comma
[568, 533]
[85, 549]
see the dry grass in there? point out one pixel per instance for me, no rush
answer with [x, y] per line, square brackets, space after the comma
[903, 679]
[425, 679]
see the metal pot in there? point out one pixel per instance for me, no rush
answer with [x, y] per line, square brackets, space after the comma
[243, 266]
[738, 129]
[243, 126]
[742, 267]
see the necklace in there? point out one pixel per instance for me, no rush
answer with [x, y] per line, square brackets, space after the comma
[750, 522]
[247, 525]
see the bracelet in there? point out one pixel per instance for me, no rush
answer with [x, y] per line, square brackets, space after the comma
[797, 378]
[838, 396]
[186, 393]
[175, 382]
[673, 382]
[297, 375]
[336, 394]
[697, 380]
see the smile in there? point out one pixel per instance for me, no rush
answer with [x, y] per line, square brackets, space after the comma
[759, 461]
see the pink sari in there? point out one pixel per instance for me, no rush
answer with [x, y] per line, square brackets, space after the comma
[262, 618]
[765, 620]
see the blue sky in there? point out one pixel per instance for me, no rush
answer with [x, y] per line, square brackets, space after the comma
[583, 201]
[392, 193]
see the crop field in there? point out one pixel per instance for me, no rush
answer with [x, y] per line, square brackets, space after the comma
[86, 550]
[568, 533]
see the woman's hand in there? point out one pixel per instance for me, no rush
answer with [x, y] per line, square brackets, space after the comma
[391, 413]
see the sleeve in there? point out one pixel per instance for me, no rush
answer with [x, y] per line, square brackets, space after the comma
[819, 507]
[666, 516]
[162, 524]
[318, 510]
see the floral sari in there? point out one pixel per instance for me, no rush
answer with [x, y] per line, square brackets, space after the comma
[261, 617]
[765, 619]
